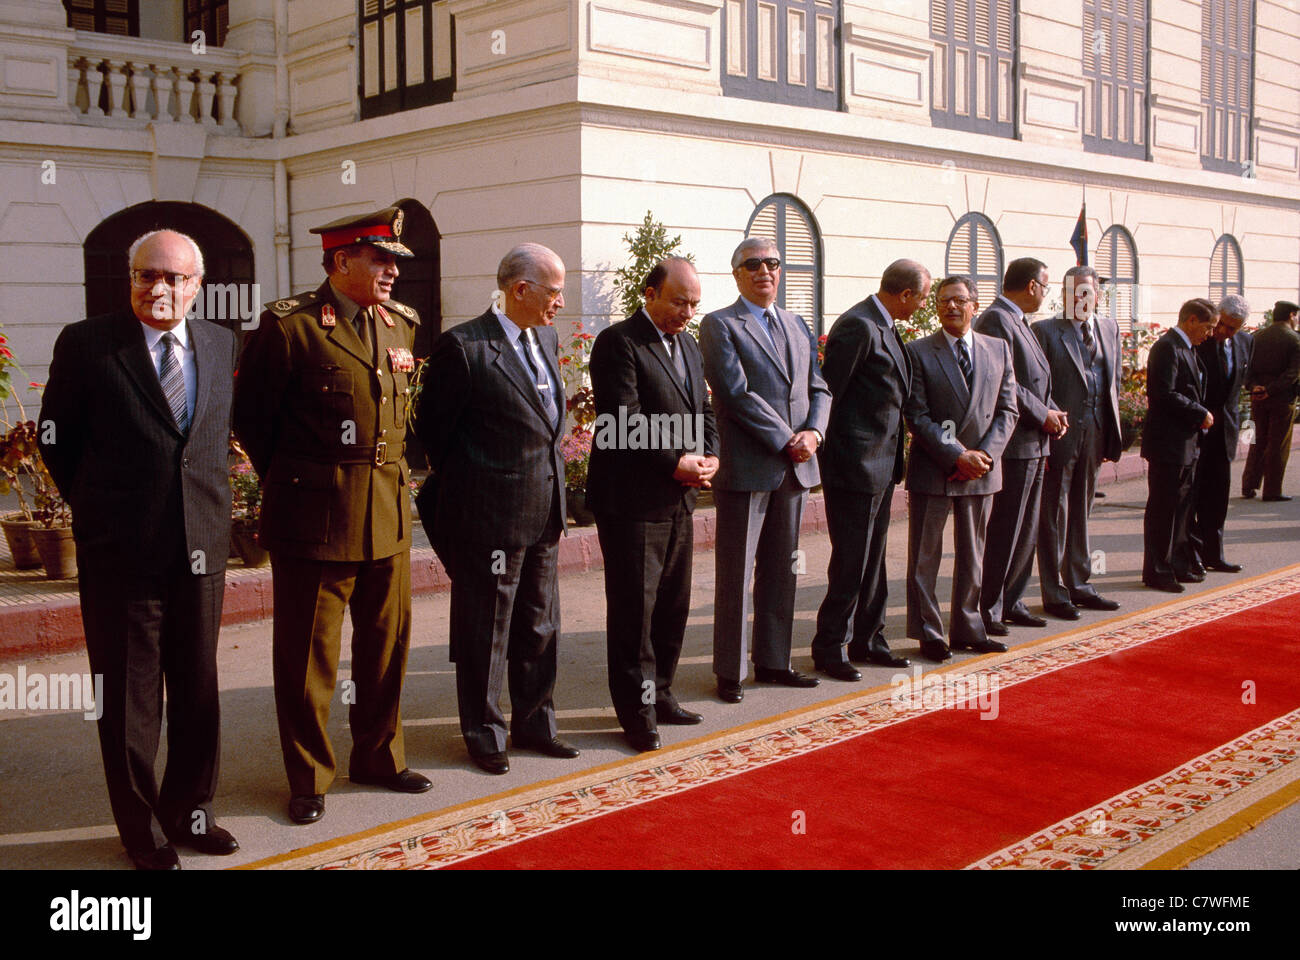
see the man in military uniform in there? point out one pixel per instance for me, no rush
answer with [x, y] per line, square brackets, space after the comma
[320, 405]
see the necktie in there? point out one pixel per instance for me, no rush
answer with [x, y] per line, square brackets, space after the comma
[1089, 342]
[540, 379]
[1224, 359]
[173, 381]
[362, 322]
[963, 361]
[778, 337]
[679, 362]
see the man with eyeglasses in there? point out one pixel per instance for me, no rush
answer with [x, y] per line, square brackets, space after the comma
[772, 406]
[961, 411]
[135, 423]
[1082, 349]
[869, 374]
[321, 408]
[491, 416]
[1013, 526]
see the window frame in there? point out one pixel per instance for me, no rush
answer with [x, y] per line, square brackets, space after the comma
[777, 89]
[785, 202]
[403, 95]
[1110, 270]
[1210, 160]
[1098, 142]
[947, 117]
[975, 220]
[1230, 246]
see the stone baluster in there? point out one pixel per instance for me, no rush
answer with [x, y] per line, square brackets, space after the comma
[140, 91]
[74, 83]
[165, 92]
[185, 87]
[94, 83]
[116, 87]
[226, 99]
[207, 90]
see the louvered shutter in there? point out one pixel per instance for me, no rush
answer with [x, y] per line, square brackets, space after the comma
[1117, 261]
[1226, 273]
[786, 221]
[973, 78]
[1227, 62]
[975, 249]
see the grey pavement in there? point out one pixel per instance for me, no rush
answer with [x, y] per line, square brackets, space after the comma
[54, 806]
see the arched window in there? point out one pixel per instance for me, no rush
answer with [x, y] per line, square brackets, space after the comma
[1225, 269]
[1118, 268]
[786, 220]
[975, 249]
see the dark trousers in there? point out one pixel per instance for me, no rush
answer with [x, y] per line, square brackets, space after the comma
[1269, 453]
[648, 599]
[144, 632]
[310, 599]
[927, 515]
[505, 620]
[1012, 538]
[1069, 484]
[1166, 549]
[853, 611]
[1210, 497]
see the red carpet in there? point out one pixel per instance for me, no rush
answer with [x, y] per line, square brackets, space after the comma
[946, 788]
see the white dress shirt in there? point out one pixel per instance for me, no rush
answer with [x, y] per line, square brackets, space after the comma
[184, 352]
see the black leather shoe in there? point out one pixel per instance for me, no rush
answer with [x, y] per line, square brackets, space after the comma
[677, 714]
[1095, 602]
[786, 678]
[163, 858]
[1018, 618]
[1277, 499]
[1168, 586]
[840, 671]
[643, 741]
[554, 747]
[730, 691]
[980, 646]
[307, 808]
[1248, 494]
[216, 842]
[878, 658]
[494, 763]
[996, 628]
[938, 652]
[408, 781]
[1189, 576]
[1062, 611]
[1223, 566]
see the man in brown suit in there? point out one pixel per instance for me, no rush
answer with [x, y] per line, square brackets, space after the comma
[1274, 367]
[320, 406]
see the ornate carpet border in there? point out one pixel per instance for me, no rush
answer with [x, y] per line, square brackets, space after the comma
[454, 835]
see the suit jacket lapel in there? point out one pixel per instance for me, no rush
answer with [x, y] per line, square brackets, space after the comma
[948, 363]
[754, 327]
[650, 336]
[1070, 337]
[549, 357]
[893, 343]
[984, 360]
[343, 333]
[203, 363]
[134, 356]
[507, 360]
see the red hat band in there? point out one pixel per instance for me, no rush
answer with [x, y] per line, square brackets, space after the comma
[348, 236]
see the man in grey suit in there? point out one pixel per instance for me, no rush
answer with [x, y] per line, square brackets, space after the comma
[771, 405]
[869, 375]
[1013, 525]
[961, 411]
[491, 416]
[1083, 352]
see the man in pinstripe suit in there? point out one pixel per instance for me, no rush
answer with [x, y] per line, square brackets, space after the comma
[135, 421]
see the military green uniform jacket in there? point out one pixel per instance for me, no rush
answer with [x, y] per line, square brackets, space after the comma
[324, 423]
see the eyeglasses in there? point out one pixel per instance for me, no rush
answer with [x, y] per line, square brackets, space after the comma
[149, 278]
[957, 301]
[551, 292]
[753, 263]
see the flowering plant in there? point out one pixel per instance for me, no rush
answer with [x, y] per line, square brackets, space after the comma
[1133, 349]
[576, 449]
[245, 489]
[575, 370]
[20, 456]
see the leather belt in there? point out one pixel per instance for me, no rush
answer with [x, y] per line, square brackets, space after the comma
[379, 455]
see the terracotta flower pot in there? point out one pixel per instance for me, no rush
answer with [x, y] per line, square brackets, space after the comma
[58, 551]
[18, 533]
[243, 538]
[577, 502]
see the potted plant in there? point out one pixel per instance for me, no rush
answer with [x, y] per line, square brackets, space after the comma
[53, 533]
[18, 460]
[576, 448]
[245, 508]
[1134, 347]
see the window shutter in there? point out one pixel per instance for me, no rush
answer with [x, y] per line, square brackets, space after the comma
[788, 223]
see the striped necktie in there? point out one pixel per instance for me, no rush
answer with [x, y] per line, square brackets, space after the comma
[173, 382]
[963, 361]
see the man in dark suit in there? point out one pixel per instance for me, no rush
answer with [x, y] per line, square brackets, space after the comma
[869, 375]
[491, 416]
[1176, 418]
[320, 406]
[1013, 526]
[1275, 368]
[135, 423]
[772, 406]
[1082, 350]
[1225, 358]
[961, 411]
[655, 446]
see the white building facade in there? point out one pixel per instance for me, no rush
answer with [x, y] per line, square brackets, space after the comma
[963, 133]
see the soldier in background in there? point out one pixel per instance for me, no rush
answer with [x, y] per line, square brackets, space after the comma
[1274, 368]
[321, 405]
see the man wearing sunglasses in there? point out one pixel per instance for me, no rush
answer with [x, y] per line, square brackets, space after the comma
[772, 407]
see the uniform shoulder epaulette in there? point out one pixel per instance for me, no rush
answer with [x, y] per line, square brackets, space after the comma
[408, 312]
[282, 308]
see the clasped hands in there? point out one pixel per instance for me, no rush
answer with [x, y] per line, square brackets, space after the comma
[1056, 423]
[694, 470]
[802, 446]
[971, 465]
